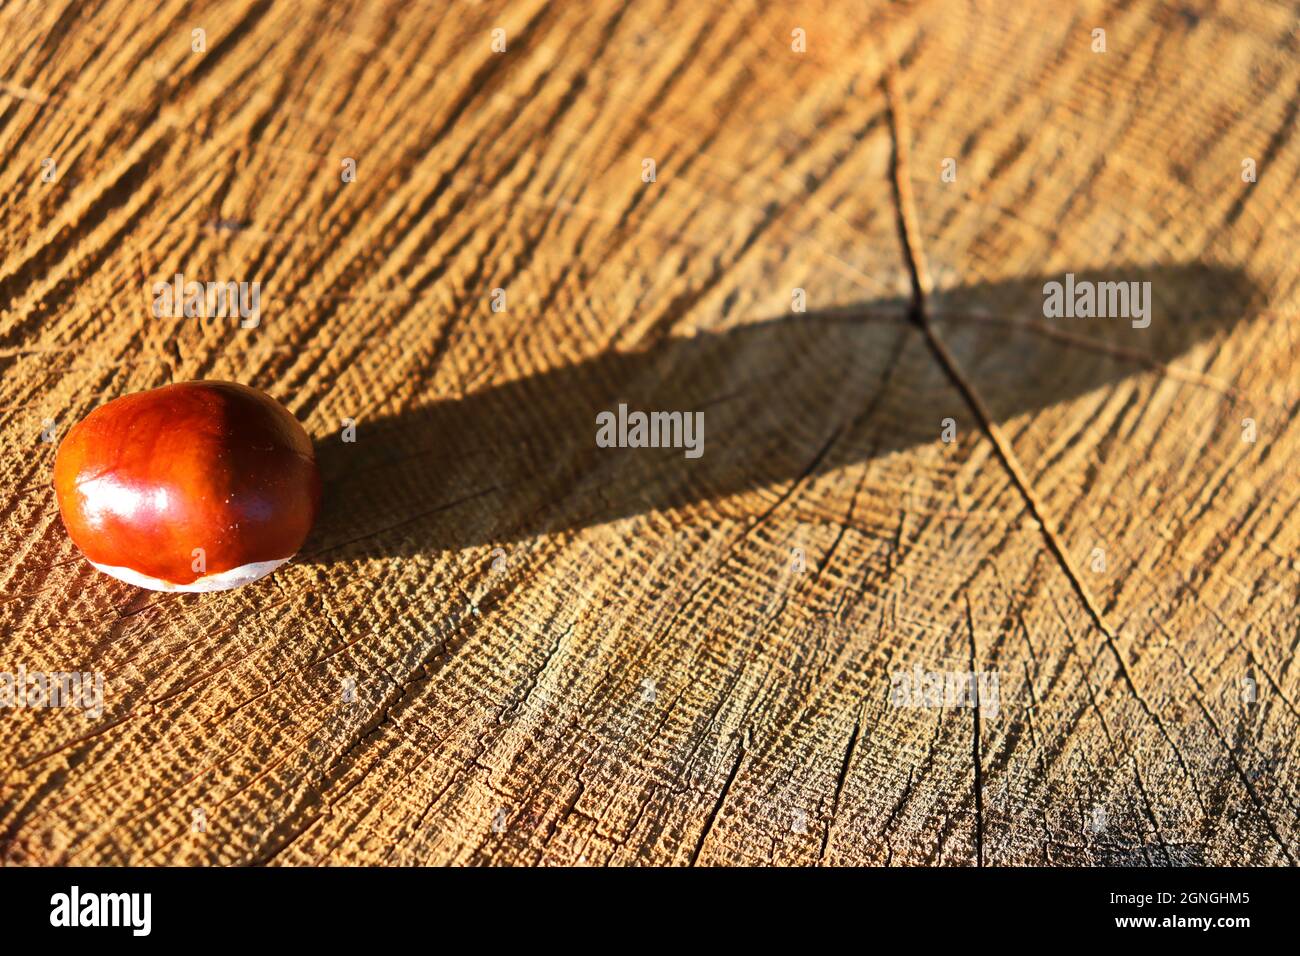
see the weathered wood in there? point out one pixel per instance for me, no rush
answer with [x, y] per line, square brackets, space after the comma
[563, 653]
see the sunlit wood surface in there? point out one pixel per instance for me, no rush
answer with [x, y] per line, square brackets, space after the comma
[506, 645]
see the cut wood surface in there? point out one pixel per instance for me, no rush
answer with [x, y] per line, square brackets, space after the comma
[504, 644]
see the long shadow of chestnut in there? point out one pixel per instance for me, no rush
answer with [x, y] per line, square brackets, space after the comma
[785, 398]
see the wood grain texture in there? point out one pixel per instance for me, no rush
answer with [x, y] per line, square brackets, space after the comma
[566, 654]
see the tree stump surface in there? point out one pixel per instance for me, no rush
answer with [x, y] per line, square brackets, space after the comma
[504, 644]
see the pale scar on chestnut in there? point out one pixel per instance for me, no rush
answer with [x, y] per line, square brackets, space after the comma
[198, 486]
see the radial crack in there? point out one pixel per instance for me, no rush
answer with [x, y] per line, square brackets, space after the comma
[909, 235]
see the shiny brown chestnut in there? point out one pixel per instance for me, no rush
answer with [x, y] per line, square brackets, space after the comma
[199, 486]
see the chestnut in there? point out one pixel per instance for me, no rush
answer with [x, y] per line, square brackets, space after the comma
[198, 486]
